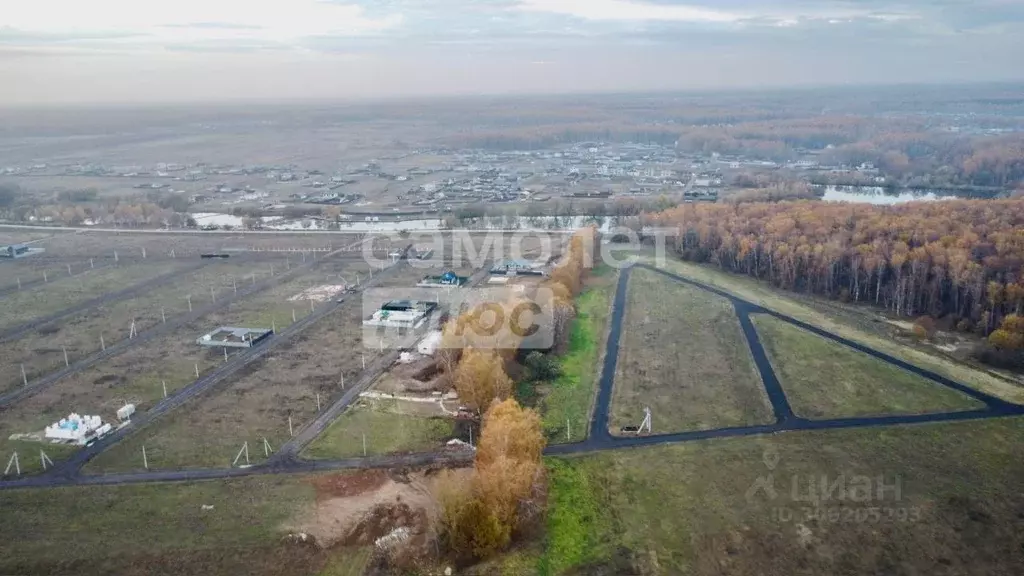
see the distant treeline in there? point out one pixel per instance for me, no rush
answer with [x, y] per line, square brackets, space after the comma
[908, 151]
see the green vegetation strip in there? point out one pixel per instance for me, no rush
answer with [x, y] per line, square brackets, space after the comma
[575, 522]
[571, 394]
[824, 379]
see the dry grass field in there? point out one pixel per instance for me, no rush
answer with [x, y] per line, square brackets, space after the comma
[684, 355]
[24, 306]
[42, 351]
[138, 375]
[258, 402]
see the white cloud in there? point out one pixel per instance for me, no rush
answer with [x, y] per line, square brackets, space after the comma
[193, 20]
[626, 10]
[640, 11]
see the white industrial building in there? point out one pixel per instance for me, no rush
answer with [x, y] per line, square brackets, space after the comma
[76, 428]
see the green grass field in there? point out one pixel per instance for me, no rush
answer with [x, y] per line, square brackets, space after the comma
[569, 398]
[824, 379]
[806, 309]
[157, 528]
[29, 458]
[386, 433]
[683, 354]
[692, 508]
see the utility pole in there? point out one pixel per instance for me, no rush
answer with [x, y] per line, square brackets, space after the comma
[91, 265]
[69, 269]
[103, 345]
[267, 449]
[213, 295]
[13, 462]
[45, 280]
[568, 431]
[245, 451]
[163, 315]
[44, 459]
[197, 370]
[164, 383]
[646, 424]
[317, 401]
[293, 315]
[234, 285]
[364, 444]
[290, 433]
[145, 461]
[24, 378]
[65, 349]
[189, 298]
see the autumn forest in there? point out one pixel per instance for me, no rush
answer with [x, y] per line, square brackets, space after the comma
[958, 261]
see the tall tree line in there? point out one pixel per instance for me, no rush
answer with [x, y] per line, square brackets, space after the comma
[962, 259]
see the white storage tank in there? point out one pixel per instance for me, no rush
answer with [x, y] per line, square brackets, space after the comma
[125, 412]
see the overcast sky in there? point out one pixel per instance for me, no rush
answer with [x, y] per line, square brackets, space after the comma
[108, 51]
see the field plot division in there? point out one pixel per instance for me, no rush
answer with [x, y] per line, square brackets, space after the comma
[824, 379]
[684, 355]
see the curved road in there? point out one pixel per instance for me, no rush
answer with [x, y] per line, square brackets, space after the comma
[600, 439]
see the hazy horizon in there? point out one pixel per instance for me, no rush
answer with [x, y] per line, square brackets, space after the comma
[58, 52]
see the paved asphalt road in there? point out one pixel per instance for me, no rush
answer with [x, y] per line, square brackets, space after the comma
[599, 439]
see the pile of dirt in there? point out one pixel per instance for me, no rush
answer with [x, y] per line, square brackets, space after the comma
[384, 519]
[358, 508]
[422, 375]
